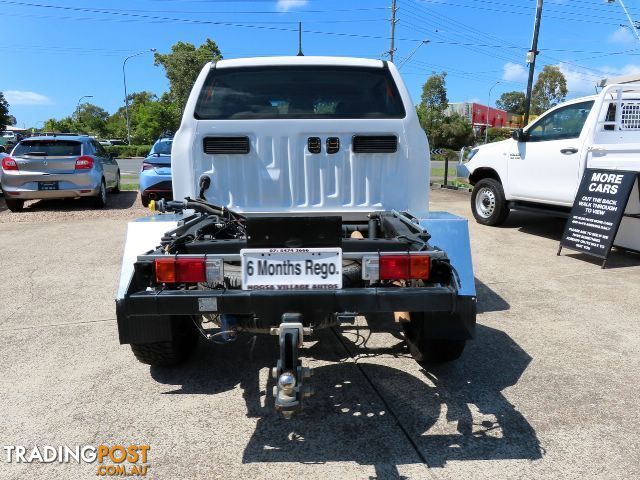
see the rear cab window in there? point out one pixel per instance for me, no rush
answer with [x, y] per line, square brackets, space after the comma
[48, 148]
[300, 92]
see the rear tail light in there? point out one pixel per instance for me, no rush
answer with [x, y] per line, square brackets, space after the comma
[84, 163]
[188, 270]
[9, 163]
[405, 267]
[146, 166]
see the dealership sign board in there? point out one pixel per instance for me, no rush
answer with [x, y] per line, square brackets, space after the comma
[597, 211]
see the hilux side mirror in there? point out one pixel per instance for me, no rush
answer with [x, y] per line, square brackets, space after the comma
[519, 135]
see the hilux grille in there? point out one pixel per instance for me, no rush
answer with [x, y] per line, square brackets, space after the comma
[226, 145]
[375, 144]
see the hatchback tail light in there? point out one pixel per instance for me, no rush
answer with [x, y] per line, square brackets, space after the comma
[405, 267]
[146, 166]
[9, 163]
[84, 162]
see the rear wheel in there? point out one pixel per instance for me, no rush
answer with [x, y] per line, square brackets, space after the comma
[488, 203]
[429, 350]
[172, 352]
[144, 199]
[101, 200]
[14, 205]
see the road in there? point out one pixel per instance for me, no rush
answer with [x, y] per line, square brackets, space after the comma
[130, 166]
[548, 389]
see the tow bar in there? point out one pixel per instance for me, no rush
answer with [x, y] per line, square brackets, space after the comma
[289, 373]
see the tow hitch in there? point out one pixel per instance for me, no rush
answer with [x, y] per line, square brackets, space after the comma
[289, 373]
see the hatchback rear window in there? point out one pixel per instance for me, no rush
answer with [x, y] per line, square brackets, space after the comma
[299, 92]
[48, 148]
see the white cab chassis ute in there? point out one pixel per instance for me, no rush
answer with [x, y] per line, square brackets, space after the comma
[539, 169]
[303, 187]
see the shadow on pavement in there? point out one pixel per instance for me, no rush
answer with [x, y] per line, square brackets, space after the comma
[453, 412]
[488, 300]
[552, 228]
[115, 201]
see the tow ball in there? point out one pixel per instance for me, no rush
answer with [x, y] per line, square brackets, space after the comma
[290, 375]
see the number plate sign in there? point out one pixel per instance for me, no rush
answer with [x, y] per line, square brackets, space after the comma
[47, 185]
[291, 268]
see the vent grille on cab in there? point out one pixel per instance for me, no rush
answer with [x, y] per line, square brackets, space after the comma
[375, 144]
[226, 145]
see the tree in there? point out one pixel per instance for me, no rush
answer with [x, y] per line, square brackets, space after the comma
[434, 94]
[444, 131]
[152, 120]
[183, 65]
[550, 89]
[4, 112]
[512, 102]
[92, 119]
[64, 125]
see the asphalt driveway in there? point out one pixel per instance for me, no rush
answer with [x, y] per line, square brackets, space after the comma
[548, 389]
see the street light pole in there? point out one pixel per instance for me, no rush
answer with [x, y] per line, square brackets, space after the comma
[632, 24]
[486, 129]
[126, 97]
[413, 52]
[78, 107]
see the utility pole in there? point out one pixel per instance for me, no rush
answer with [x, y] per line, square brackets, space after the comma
[531, 59]
[392, 48]
[300, 54]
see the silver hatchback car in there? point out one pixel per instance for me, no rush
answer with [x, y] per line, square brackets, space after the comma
[61, 166]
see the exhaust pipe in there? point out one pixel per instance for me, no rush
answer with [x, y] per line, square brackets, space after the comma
[152, 196]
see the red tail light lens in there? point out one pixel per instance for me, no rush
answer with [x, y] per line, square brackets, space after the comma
[146, 166]
[419, 267]
[9, 163]
[181, 270]
[84, 163]
[405, 267]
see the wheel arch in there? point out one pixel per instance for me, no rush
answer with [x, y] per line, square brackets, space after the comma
[484, 172]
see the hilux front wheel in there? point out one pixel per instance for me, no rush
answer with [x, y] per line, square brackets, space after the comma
[428, 350]
[171, 352]
[488, 203]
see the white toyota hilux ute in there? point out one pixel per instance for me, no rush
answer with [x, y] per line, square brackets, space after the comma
[540, 168]
[301, 187]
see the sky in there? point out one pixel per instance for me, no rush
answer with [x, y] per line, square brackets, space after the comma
[53, 52]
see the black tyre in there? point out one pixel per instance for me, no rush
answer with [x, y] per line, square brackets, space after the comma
[145, 200]
[116, 188]
[14, 205]
[101, 200]
[173, 352]
[427, 350]
[488, 203]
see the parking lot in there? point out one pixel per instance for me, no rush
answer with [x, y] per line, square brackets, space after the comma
[548, 389]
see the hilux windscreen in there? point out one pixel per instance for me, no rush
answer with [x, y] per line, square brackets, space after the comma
[48, 148]
[299, 92]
